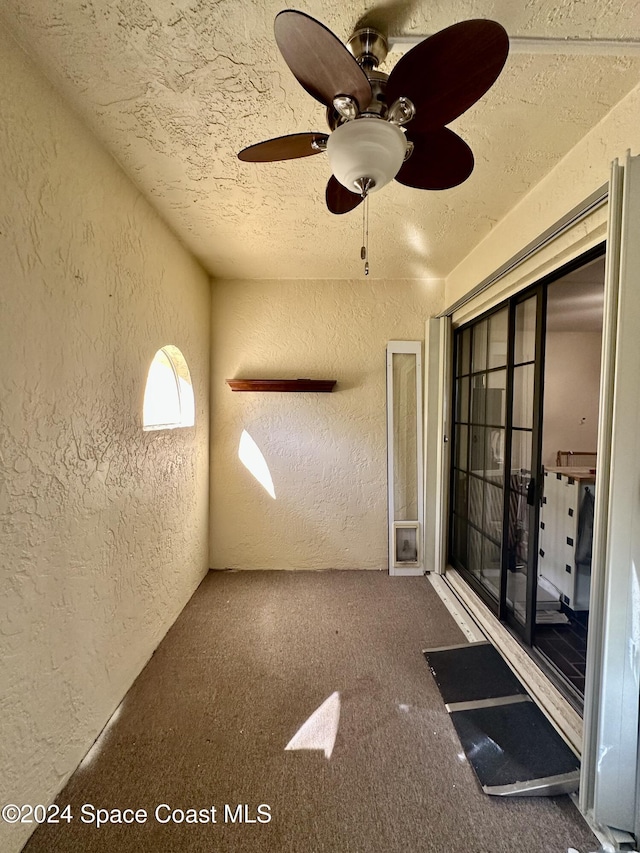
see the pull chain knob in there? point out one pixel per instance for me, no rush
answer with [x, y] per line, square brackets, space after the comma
[364, 251]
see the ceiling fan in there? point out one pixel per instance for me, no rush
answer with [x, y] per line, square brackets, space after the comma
[385, 126]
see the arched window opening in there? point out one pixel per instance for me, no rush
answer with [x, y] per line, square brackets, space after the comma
[168, 394]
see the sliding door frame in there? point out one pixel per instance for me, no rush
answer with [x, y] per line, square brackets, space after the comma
[500, 606]
[538, 289]
[534, 495]
[551, 254]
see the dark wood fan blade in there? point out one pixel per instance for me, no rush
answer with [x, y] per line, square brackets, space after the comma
[449, 71]
[339, 199]
[283, 148]
[318, 59]
[440, 160]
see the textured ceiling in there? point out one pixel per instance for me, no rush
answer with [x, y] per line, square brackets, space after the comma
[175, 88]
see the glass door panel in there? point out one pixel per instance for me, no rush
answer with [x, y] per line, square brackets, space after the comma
[498, 339]
[518, 538]
[405, 441]
[462, 401]
[523, 379]
[477, 450]
[479, 361]
[464, 349]
[494, 455]
[495, 433]
[462, 446]
[521, 481]
[479, 454]
[525, 332]
[475, 552]
[475, 501]
[496, 397]
[521, 452]
[493, 509]
[491, 566]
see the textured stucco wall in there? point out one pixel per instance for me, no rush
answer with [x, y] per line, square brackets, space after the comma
[326, 452]
[585, 168]
[103, 528]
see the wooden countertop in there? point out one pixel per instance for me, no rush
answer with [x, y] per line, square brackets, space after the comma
[577, 473]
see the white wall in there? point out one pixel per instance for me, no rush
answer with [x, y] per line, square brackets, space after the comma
[326, 452]
[571, 389]
[103, 528]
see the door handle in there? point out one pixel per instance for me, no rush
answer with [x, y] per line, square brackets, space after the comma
[531, 492]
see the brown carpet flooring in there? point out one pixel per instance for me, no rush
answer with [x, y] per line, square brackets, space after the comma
[251, 657]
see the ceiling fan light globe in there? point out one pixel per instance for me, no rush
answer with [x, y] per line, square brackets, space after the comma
[366, 148]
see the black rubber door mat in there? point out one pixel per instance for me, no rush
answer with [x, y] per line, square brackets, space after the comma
[471, 671]
[513, 749]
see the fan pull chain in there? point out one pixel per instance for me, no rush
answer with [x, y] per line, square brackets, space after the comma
[364, 251]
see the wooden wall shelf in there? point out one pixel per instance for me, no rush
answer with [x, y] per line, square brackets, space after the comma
[325, 385]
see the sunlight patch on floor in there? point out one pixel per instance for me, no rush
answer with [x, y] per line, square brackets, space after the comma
[321, 729]
[101, 739]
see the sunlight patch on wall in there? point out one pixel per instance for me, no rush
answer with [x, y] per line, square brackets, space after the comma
[251, 457]
[321, 729]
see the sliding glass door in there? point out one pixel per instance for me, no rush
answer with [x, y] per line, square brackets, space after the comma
[524, 462]
[496, 457]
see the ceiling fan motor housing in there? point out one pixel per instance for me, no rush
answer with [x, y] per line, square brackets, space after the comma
[369, 47]
[367, 148]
